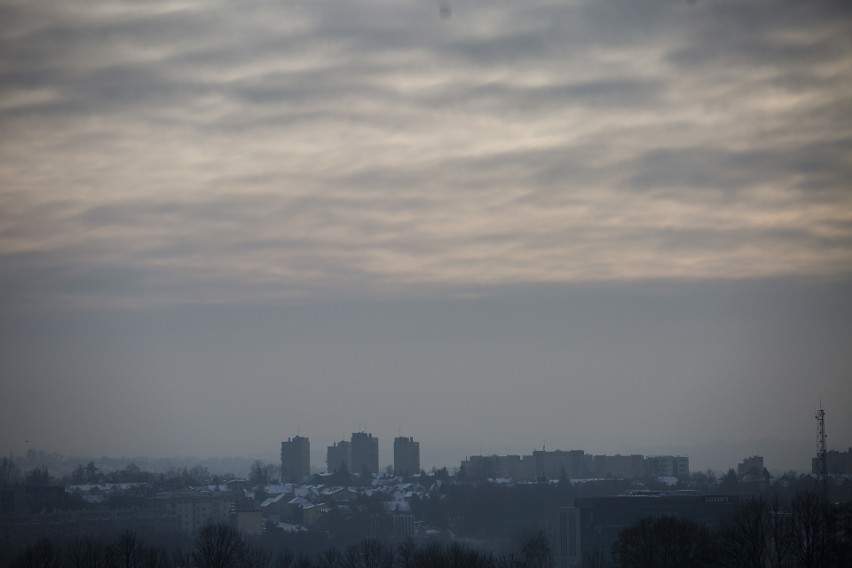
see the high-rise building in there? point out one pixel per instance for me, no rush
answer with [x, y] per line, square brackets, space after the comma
[364, 453]
[338, 457]
[295, 459]
[406, 456]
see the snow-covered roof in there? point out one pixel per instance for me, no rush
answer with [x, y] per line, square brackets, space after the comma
[273, 500]
[301, 501]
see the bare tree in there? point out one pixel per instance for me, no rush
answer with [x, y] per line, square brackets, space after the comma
[10, 474]
[369, 553]
[252, 557]
[304, 561]
[430, 555]
[744, 537]
[405, 553]
[87, 552]
[285, 558]
[781, 532]
[536, 551]
[42, 554]
[664, 542]
[812, 530]
[126, 552]
[218, 546]
[331, 558]
[598, 558]
[258, 475]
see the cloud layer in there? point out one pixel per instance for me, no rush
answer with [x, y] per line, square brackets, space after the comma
[218, 151]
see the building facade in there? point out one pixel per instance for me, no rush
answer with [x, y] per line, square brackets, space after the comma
[559, 464]
[295, 459]
[618, 466]
[669, 466]
[196, 511]
[406, 456]
[750, 466]
[836, 462]
[339, 457]
[364, 453]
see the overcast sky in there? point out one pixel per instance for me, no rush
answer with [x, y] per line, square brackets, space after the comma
[617, 226]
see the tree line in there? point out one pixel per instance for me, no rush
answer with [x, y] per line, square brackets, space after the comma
[806, 532]
[222, 546]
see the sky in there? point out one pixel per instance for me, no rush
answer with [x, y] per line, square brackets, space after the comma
[622, 227]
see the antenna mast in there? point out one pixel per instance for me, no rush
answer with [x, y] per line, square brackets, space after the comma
[822, 459]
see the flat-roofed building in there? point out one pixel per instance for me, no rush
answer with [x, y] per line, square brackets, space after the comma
[364, 453]
[560, 464]
[669, 466]
[406, 456]
[339, 457]
[295, 459]
[626, 467]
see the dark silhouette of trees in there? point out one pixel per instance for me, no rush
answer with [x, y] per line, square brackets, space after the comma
[536, 552]
[37, 476]
[806, 532]
[664, 542]
[87, 552]
[43, 554]
[730, 482]
[10, 474]
[284, 559]
[258, 475]
[126, 551]
[813, 530]
[218, 546]
[92, 473]
[369, 553]
[758, 534]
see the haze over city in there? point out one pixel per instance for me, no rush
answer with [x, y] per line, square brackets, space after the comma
[493, 226]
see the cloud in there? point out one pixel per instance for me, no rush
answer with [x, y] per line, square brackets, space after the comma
[175, 151]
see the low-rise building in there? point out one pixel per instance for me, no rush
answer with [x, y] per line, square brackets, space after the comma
[668, 466]
[196, 511]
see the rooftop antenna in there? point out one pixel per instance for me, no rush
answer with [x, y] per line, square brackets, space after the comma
[822, 459]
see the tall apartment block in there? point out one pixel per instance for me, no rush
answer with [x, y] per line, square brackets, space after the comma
[338, 456]
[364, 452]
[295, 459]
[406, 456]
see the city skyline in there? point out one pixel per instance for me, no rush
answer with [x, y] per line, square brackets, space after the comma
[622, 227]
